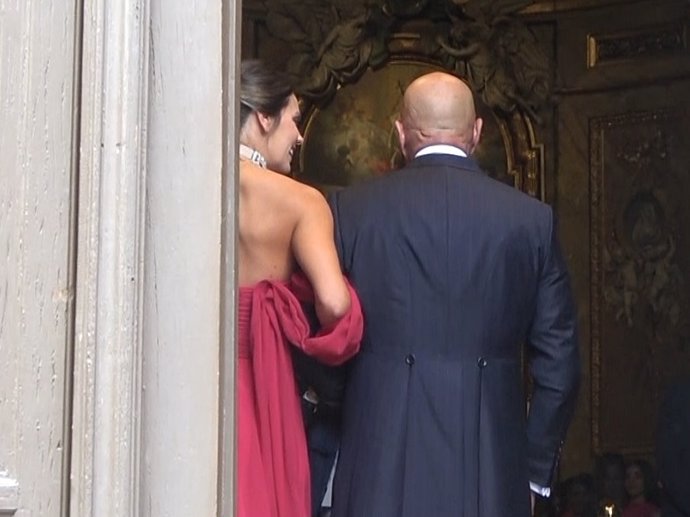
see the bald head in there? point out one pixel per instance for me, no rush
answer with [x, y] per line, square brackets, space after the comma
[438, 108]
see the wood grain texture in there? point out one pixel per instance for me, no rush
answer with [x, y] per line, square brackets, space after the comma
[36, 86]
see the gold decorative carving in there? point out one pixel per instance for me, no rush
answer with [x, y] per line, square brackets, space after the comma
[667, 40]
[552, 6]
[640, 330]
[532, 153]
[353, 137]
[333, 42]
[335, 45]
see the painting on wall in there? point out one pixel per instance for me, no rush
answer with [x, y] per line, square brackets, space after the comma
[640, 260]
[354, 138]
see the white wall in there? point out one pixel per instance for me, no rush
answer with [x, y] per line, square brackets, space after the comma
[36, 275]
[117, 271]
[183, 259]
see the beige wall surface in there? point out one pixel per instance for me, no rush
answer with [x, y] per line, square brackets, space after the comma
[117, 209]
[148, 346]
[36, 289]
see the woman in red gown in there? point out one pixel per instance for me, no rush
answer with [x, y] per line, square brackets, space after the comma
[286, 256]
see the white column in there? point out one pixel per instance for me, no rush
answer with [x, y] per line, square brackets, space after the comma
[110, 274]
[36, 270]
[232, 37]
[156, 261]
[182, 287]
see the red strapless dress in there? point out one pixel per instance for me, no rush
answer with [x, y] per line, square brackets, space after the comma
[273, 470]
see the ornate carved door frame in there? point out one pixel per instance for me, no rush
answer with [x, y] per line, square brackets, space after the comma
[332, 46]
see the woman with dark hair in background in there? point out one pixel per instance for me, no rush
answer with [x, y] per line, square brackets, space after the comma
[286, 256]
[640, 489]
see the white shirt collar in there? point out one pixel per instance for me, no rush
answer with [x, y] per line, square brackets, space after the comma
[441, 149]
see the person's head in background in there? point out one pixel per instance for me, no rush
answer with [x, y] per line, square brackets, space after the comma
[609, 475]
[579, 499]
[438, 108]
[640, 482]
[269, 114]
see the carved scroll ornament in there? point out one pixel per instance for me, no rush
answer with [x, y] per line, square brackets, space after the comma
[333, 42]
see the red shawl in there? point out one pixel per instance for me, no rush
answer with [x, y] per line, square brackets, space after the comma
[277, 321]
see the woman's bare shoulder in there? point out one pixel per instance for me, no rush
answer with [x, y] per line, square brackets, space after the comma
[282, 189]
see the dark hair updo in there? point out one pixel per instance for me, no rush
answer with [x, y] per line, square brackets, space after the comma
[262, 89]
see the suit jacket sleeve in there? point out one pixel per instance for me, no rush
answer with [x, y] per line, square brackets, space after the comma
[333, 202]
[554, 362]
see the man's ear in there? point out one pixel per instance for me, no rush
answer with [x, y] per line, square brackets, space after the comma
[401, 135]
[476, 133]
[265, 121]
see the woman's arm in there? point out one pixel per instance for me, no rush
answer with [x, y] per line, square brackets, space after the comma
[314, 249]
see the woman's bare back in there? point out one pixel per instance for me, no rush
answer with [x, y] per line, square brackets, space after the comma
[285, 225]
[267, 217]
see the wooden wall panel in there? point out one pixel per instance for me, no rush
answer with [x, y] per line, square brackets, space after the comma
[619, 78]
[640, 258]
[622, 45]
[623, 174]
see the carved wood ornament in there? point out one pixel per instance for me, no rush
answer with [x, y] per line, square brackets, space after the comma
[640, 329]
[333, 43]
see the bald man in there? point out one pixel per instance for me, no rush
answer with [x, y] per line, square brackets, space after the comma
[456, 272]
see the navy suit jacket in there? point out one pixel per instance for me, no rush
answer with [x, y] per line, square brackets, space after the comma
[455, 271]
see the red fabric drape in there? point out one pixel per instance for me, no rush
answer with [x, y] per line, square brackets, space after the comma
[277, 320]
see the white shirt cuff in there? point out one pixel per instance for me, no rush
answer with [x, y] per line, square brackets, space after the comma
[540, 490]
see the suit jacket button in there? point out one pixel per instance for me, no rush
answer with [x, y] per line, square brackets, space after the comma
[481, 362]
[409, 359]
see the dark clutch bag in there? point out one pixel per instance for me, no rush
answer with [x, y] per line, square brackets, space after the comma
[321, 387]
